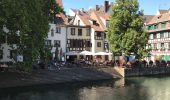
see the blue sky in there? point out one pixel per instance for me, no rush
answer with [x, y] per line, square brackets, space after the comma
[149, 6]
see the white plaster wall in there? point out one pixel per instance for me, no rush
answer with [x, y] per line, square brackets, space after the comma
[6, 52]
[92, 40]
[57, 36]
[76, 21]
[84, 32]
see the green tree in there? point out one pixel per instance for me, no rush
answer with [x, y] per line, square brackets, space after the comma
[31, 19]
[126, 30]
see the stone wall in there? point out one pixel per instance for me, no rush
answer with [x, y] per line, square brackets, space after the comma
[146, 71]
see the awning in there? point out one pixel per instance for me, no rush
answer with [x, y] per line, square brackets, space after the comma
[103, 53]
[86, 53]
[71, 53]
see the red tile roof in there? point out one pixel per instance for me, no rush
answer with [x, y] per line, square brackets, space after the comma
[160, 18]
[148, 18]
[163, 11]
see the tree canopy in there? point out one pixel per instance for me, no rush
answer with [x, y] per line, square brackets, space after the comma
[29, 18]
[126, 29]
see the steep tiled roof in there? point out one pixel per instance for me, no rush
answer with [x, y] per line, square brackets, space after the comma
[163, 11]
[60, 19]
[97, 28]
[148, 18]
[160, 18]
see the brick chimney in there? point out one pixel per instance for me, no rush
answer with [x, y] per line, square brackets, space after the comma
[106, 6]
[59, 2]
[97, 8]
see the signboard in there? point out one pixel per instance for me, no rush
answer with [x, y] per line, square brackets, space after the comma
[19, 58]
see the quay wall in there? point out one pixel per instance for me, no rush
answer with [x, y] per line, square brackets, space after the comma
[148, 71]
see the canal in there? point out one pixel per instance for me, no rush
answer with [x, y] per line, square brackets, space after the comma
[136, 88]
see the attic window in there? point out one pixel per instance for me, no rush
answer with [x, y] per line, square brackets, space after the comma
[159, 16]
[94, 22]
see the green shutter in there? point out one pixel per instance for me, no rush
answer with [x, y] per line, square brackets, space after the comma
[163, 25]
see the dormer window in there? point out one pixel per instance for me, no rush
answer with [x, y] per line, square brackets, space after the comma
[107, 24]
[159, 16]
[78, 22]
[94, 22]
[52, 32]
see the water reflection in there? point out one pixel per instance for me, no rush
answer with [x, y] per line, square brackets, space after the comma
[130, 89]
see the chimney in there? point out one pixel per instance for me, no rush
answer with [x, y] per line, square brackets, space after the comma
[106, 5]
[97, 7]
[82, 9]
[78, 12]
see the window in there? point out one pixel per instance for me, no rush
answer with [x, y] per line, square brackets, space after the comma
[151, 27]
[98, 44]
[156, 26]
[80, 43]
[52, 32]
[151, 36]
[78, 22]
[48, 42]
[152, 46]
[88, 44]
[99, 34]
[79, 32]
[87, 32]
[166, 45]
[94, 22]
[1, 54]
[162, 35]
[58, 30]
[158, 46]
[72, 31]
[162, 45]
[165, 34]
[57, 43]
[158, 36]
[107, 24]
[163, 25]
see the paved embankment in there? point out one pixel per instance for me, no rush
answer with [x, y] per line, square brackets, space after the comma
[147, 71]
[14, 79]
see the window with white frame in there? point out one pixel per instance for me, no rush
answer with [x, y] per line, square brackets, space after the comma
[165, 34]
[88, 32]
[58, 30]
[52, 32]
[47, 42]
[158, 45]
[151, 36]
[57, 43]
[152, 46]
[107, 24]
[158, 35]
[72, 31]
[166, 45]
[98, 44]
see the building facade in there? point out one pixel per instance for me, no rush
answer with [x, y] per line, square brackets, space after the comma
[158, 29]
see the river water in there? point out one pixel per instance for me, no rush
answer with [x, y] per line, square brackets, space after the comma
[136, 88]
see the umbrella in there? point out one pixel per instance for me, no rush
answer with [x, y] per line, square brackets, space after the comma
[86, 53]
[103, 53]
[71, 53]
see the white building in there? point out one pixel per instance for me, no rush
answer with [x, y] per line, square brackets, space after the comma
[57, 39]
